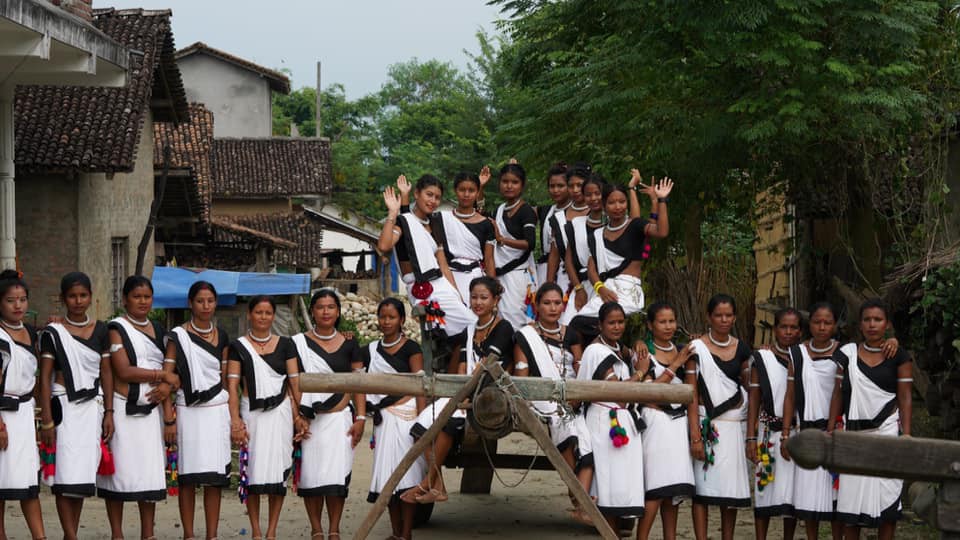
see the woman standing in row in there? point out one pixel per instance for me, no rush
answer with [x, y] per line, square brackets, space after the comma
[140, 385]
[265, 415]
[19, 461]
[666, 434]
[557, 224]
[875, 396]
[197, 353]
[577, 254]
[515, 227]
[614, 427]
[394, 416]
[419, 254]
[770, 378]
[75, 381]
[334, 431]
[717, 370]
[560, 195]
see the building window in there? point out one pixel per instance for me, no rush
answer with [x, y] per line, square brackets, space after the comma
[118, 265]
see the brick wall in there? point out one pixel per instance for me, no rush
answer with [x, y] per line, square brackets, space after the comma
[80, 8]
[46, 237]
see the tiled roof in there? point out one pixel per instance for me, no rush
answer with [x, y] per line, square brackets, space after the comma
[191, 145]
[97, 129]
[256, 168]
[295, 227]
[278, 81]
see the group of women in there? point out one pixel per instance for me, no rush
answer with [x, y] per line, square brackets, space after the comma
[562, 316]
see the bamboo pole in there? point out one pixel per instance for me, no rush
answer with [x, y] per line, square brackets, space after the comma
[531, 388]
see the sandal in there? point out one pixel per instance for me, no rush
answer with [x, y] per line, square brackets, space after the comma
[412, 496]
[318, 534]
[434, 495]
[333, 534]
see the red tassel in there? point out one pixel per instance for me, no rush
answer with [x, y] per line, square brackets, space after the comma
[107, 466]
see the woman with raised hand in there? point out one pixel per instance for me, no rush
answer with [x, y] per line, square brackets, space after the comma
[667, 476]
[614, 427]
[717, 370]
[622, 246]
[560, 195]
[197, 353]
[76, 384]
[19, 460]
[394, 417]
[578, 250]
[265, 413]
[875, 396]
[556, 226]
[539, 352]
[515, 226]
[467, 236]
[770, 377]
[491, 334]
[336, 426]
[140, 385]
[413, 236]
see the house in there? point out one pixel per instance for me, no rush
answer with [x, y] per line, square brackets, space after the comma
[85, 165]
[46, 44]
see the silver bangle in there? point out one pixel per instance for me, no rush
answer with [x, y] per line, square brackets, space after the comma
[293, 375]
[360, 417]
[233, 375]
[522, 365]
[169, 360]
[116, 347]
[908, 379]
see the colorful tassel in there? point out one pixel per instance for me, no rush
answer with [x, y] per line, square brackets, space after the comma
[48, 460]
[618, 435]
[243, 489]
[765, 461]
[373, 441]
[434, 313]
[646, 251]
[710, 438]
[297, 465]
[107, 466]
[173, 484]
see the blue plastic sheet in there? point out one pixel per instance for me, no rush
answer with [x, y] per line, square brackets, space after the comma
[170, 285]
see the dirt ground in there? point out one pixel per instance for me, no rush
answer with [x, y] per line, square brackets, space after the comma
[534, 509]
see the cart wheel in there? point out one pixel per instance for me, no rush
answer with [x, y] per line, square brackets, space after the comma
[422, 515]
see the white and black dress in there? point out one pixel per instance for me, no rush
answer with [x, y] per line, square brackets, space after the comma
[552, 237]
[612, 257]
[463, 245]
[666, 446]
[513, 265]
[869, 406]
[577, 232]
[548, 358]
[203, 410]
[393, 420]
[20, 462]
[137, 442]
[426, 283]
[267, 413]
[328, 452]
[814, 380]
[776, 497]
[77, 406]
[618, 471]
[723, 406]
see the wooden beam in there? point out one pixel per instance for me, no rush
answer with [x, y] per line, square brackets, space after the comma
[877, 455]
[532, 388]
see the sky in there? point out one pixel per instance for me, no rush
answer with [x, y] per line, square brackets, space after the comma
[355, 40]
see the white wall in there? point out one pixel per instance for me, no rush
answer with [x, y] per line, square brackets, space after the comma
[238, 97]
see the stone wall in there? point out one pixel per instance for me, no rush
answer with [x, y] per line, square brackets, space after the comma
[46, 236]
[116, 207]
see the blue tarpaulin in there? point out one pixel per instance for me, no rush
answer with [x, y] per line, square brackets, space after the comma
[170, 285]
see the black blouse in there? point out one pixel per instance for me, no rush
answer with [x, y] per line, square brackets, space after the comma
[98, 341]
[524, 345]
[732, 369]
[631, 242]
[400, 360]
[190, 394]
[277, 359]
[499, 340]
[340, 360]
[884, 375]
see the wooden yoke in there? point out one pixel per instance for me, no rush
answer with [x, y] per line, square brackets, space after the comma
[890, 457]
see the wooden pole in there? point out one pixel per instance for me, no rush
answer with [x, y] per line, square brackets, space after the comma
[531, 388]
[418, 448]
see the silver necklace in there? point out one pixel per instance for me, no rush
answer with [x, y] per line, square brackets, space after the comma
[144, 322]
[671, 348]
[464, 216]
[86, 321]
[595, 222]
[18, 326]
[413, 210]
[821, 351]
[507, 208]
[868, 348]
[487, 324]
[204, 331]
[553, 332]
[260, 339]
[392, 343]
[717, 343]
[576, 208]
[781, 350]
[563, 208]
[615, 349]
[611, 228]
[324, 338]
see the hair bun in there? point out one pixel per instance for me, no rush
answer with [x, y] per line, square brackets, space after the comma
[10, 273]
